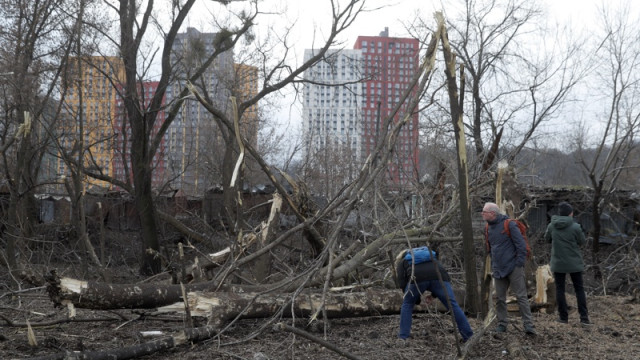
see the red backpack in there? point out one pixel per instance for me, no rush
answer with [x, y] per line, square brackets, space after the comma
[521, 226]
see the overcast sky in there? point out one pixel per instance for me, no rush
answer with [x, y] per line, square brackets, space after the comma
[315, 15]
[313, 18]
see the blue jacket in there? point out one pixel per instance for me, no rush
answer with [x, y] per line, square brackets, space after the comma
[566, 238]
[507, 253]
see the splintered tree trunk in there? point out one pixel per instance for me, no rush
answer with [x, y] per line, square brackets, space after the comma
[104, 296]
[224, 303]
[261, 268]
[545, 289]
[221, 307]
[230, 303]
[485, 285]
[456, 101]
[230, 192]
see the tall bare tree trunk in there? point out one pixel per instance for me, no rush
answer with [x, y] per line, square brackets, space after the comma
[230, 204]
[141, 122]
[455, 103]
[597, 226]
[21, 210]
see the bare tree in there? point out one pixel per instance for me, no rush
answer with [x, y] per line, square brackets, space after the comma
[32, 42]
[334, 263]
[519, 72]
[619, 120]
[512, 89]
[456, 104]
[136, 23]
[327, 169]
[485, 35]
[72, 144]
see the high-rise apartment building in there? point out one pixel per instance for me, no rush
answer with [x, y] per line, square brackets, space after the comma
[389, 64]
[193, 145]
[245, 86]
[382, 67]
[333, 103]
[191, 150]
[89, 114]
[122, 137]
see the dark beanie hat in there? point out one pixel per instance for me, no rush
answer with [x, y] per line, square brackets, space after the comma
[564, 209]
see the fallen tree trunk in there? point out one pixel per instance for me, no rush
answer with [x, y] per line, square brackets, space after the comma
[138, 350]
[224, 306]
[221, 307]
[182, 228]
[225, 303]
[105, 296]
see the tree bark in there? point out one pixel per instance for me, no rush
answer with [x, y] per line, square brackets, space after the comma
[145, 140]
[103, 296]
[185, 230]
[20, 184]
[597, 225]
[485, 287]
[262, 267]
[221, 307]
[139, 350]
[141, 129]
[545, 289]
[456, 101]
[221, 303]
[485, 284]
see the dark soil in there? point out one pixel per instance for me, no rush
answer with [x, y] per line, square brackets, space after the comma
[614, 335]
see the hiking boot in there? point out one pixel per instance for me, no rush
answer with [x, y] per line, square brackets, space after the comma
[501, 329]
[586, 323]
[402, 342]
[530, 330]
[562, 321]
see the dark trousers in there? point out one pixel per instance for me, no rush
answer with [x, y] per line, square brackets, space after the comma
[578, 286]
[414, 292]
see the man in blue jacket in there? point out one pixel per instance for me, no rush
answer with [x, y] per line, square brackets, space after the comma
[566, 238]
[508, 256]
[414, 280]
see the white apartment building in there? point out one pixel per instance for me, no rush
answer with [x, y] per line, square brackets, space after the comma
[332, 103]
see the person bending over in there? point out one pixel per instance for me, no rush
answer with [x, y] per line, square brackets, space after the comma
[416, 279]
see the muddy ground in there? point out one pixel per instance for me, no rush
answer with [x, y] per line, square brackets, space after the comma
[614, 335]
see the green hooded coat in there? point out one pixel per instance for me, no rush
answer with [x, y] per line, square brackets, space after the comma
[566, 238]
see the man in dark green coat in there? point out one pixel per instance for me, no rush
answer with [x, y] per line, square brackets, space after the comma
[566, 238]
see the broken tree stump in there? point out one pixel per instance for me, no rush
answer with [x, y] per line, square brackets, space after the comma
[262, 265]
[545, 289]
